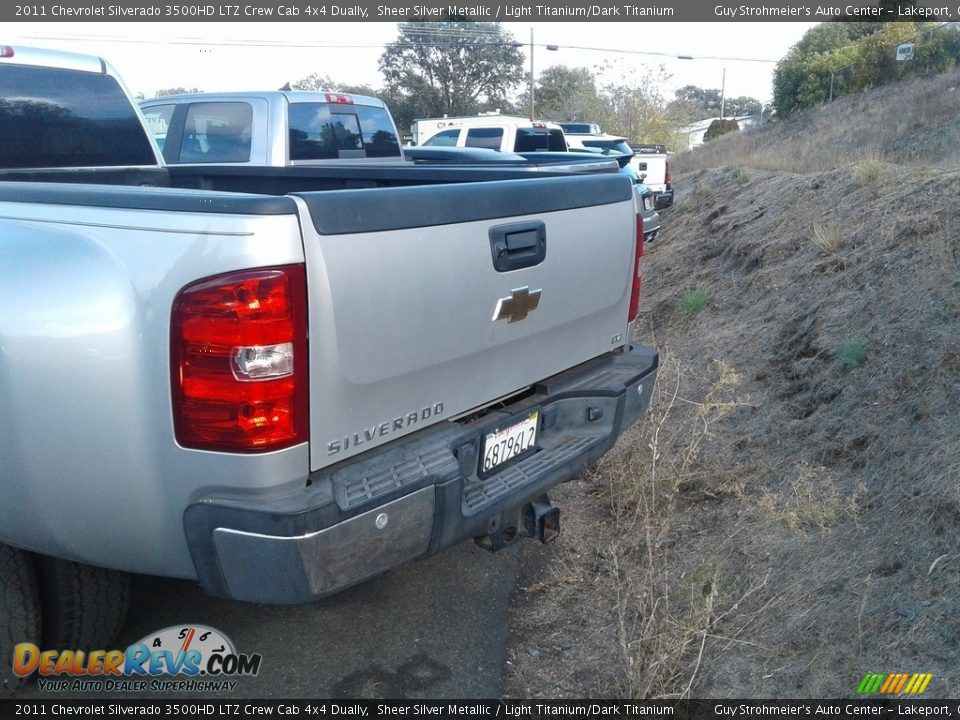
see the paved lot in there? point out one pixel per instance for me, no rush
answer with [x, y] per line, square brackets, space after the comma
[431, 629]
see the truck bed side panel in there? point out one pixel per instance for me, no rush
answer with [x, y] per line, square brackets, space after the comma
[85, 376]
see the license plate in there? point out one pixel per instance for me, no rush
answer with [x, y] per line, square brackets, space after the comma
[505, 444]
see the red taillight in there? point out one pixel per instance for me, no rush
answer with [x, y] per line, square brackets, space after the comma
[637, 277]
[6, 51]
[539, 125]
[239, 361]
[338, 98]
[666, 172]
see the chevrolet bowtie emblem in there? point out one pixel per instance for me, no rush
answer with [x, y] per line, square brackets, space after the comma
[521, 303]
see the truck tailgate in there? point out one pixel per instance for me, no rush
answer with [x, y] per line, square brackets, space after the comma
[429, 302]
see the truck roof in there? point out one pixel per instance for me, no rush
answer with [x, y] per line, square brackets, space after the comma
[578, 127]
[493, 119]
[18, 55]
[293, 96]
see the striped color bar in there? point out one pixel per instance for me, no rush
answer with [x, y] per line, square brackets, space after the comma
[894, 683]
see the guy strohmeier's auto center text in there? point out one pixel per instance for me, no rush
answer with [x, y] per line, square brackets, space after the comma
[825, 12]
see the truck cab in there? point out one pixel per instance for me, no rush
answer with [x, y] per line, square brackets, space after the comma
[272, 128]
[504, 133]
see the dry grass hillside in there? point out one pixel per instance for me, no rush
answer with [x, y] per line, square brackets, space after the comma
[788, 516]
[907, 122]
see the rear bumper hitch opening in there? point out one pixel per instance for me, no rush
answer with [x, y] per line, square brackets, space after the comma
[538, 520]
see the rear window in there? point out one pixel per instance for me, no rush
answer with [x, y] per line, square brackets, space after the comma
[217, 132]
[581, 128]
[157, 119]
[329, 131]
[67, 118]
[534, 139]
[489, 138]
[446, 138]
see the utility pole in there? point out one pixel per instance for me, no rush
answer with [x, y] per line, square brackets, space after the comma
[532, 106]
[831, 87]
[723, 88]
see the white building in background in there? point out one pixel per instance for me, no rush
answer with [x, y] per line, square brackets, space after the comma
[696, 131]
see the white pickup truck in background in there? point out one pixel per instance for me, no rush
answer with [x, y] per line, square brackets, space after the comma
[653, 163]
[493, 131]
[280, 381]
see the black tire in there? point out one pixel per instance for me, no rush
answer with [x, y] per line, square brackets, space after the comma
[84, 607]
[19, 611]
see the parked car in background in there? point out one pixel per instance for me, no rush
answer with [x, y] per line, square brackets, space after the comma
[273, 128]
[647, 201]
[653, 163]
[601, 141]
[506, 133]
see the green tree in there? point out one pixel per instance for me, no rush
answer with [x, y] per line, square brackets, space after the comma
[637, 108]
[564, 93]
[857, 55]
[452, 68]
[316, 81]
[720, 127]
[938, 48]
[692, 103]
[698, 102]
[403, 108]
[741, 105]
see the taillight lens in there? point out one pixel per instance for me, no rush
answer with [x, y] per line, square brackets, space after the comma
[637, 277]
[666, 172]
[239, 361]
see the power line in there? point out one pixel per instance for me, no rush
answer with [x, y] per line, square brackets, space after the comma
[328, 44]
[676, 56]
[206, 42]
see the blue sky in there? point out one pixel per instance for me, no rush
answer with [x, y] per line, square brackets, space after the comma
[241, 55]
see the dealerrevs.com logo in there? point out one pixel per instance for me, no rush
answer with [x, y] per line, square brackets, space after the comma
[180, 658]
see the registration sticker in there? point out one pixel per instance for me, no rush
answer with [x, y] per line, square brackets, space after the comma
[505, 444]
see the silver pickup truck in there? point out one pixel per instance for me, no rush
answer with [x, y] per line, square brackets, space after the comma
[279, 127]
[280, 381]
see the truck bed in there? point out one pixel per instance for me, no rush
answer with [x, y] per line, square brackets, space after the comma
[402, 295]
[478, 166]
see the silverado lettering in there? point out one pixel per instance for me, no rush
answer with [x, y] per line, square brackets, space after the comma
[384, 428]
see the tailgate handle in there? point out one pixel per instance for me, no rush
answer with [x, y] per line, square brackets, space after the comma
[518, 245]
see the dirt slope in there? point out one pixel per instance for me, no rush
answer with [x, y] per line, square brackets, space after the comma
[913, 123]
[788, 517]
